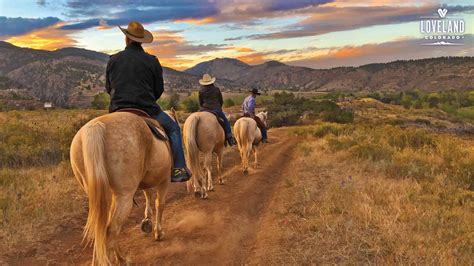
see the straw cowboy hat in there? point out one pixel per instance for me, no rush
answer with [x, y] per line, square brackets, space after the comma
[207, 80]
[136, 32]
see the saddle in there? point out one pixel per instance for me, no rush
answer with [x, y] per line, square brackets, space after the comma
[259, 122]
[220, 120]
[152, 124]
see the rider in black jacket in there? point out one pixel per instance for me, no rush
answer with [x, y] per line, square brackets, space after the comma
[134, 79]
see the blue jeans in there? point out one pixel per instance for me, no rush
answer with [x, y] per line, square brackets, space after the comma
[174, 134]
[227, 129]
[264, 133]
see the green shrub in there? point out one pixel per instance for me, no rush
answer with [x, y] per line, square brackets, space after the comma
[373, 151]
[164, 104]
[190, 104]
[101, 101]
[334, 129]
[340, 143]
[466, 112]
[174, 101]
[338, 116]
[229, 102]
[287, 109]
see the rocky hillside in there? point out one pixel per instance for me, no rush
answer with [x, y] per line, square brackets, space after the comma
[68, 77]
[425, 74]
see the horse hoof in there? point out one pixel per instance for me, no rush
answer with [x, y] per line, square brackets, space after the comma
[211, 189]
[221, 181]
[204, 196]
[160, 236]
[246, 172]
[147, 225]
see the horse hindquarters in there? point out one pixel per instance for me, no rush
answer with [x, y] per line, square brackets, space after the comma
[96, 184]
[192, 154]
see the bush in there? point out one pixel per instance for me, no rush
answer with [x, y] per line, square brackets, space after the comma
[335, 129]
[174, 101]
[164, 104]
[338, 116]
[101, 101]
[373, 151]
[286, 109]
[229, 102]
[191, 104]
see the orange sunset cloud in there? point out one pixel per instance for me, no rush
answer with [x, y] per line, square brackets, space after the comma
[49, 38]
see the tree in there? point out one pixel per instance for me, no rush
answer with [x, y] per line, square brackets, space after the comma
[433, 101]
[174, 101]
[406, 101]
[101, 101]
[229, 102]
[191, 104]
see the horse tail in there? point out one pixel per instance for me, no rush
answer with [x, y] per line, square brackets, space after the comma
[249, 140]
[97, 187]
[190, 143]
[242, 134]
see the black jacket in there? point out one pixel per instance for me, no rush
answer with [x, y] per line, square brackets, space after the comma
[134, 79]
[210, 97]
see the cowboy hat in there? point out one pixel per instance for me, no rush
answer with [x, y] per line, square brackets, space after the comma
[255, 91]
[207, 80]
[136, 32]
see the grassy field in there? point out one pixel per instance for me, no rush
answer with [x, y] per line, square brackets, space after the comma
[35, 175]
[378, 195]
[394, 186]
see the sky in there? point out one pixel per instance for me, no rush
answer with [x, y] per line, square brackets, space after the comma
[310, 33]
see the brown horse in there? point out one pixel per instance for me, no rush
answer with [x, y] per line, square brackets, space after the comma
[204, 135]
[112, 156]
[248, 137]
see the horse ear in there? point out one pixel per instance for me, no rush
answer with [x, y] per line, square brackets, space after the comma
[174, 114]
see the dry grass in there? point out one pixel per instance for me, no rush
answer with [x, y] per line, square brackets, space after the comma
[37, 188]
[344, 208]
[34, 202]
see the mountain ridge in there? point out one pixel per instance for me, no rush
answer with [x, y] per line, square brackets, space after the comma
[70, 77]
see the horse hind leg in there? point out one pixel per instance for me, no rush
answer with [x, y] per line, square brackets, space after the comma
[254, 149]
[122, 207]
[147, 224]
[208, 169]
[247, 152]
[159, 208]
[219, 166]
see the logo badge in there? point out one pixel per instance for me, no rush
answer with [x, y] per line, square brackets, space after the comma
[442, 31]
[442, 12]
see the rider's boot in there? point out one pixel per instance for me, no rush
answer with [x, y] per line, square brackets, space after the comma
[180, 174]
[231, 140]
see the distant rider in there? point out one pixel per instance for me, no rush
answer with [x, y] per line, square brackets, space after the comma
[134, 79]
[248, 108]
[210, 98]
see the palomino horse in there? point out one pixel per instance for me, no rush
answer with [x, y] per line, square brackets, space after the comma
[112, 156]
[248, 137]
[203, 134]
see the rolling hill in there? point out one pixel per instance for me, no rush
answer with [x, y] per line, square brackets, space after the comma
[70, 77]
[425, 74]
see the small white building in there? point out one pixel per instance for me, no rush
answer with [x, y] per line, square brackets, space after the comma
[48, 105]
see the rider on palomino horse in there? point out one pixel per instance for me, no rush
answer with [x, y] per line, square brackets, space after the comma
[210, 98]
[134, 79]
[248, 108]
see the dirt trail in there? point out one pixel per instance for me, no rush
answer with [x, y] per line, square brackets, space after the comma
[219, 230]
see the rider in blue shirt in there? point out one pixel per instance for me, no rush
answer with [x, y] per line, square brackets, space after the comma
[248, 107]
